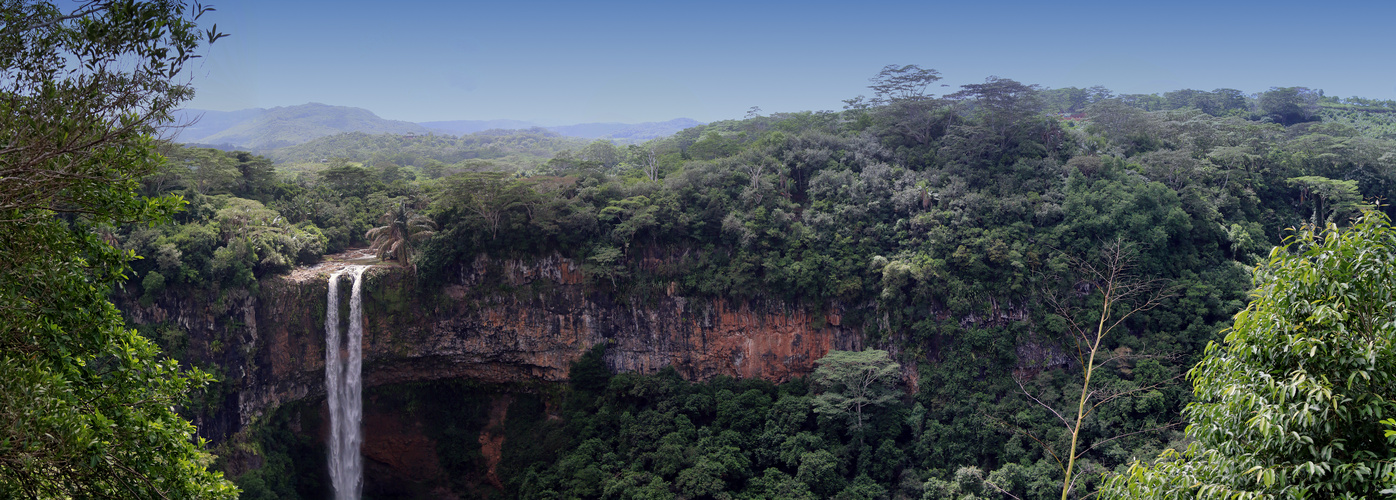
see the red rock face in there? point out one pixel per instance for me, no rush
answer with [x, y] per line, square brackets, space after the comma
[400, 445]
[498, 321]
[492, 438]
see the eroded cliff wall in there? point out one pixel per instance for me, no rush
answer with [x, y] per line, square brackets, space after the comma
[498, 321]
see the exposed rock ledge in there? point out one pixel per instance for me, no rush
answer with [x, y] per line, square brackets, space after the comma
[498, 321]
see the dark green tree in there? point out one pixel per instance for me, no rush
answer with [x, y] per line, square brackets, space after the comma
[490, 196]
[1289, 105]
[350, 179]
[902, 90]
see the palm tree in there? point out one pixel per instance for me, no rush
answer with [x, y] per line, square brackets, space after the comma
[401, 228]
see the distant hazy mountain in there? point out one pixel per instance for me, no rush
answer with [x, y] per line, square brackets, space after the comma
[266, 129]
[626, 131]
[623, 131]
[291, 125]
[462, 127]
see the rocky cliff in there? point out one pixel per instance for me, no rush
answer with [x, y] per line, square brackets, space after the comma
[498, 321]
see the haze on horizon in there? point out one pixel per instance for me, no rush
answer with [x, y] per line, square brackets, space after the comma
[558, 63]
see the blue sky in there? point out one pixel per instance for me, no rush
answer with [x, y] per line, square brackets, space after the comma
[571, 62]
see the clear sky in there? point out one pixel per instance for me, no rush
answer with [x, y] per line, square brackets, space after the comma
[570, 62]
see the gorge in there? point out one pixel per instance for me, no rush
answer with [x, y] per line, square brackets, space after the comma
[650, 322]
[511, 322]
[995, 291]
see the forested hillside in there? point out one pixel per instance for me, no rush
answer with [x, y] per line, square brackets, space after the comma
[507, 149]
[952, 230]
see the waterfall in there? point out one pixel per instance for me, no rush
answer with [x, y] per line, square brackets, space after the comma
[343, 386]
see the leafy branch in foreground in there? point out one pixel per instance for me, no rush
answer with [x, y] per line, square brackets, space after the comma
[1292, 404]
[87, 404]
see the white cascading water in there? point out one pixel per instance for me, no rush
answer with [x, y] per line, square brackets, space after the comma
[342, 385]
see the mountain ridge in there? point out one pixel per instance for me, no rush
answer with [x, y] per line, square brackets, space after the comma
[266, 129]
[291, 125]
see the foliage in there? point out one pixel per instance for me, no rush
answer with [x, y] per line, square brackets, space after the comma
[1331, 198]
[657, 436]
[489, 196]
[1291, 404]
[507, 149]
[88, 404]
[226, 241]
[1289, 105]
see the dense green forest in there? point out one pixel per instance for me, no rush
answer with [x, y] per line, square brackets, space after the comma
[1062, 292]
[949, 229]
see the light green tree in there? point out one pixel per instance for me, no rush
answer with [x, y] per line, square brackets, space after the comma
[208, 170]
[603, 152]
[1290, 404]
[87, 405]
[275, 243]
[852, 381]
[1331, 198]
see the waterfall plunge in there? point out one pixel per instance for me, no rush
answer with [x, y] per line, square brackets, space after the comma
[343, 387]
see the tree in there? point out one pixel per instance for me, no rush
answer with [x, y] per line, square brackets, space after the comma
[902, 89]
[1001, 103]
[1118, 121]
[852, 381]
[275, 245]
[349, 179]
[209, 170]
[1331, 197]
[400, 229]
[1289, 105]
[1290, 404]
[902, 83]
[646, 158]
[1122, 293]
[1228, 100]
[257, 175]
[602, 152]
[488, 195]
[87, 404]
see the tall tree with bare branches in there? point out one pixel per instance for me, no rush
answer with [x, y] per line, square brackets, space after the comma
[1113, 278]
